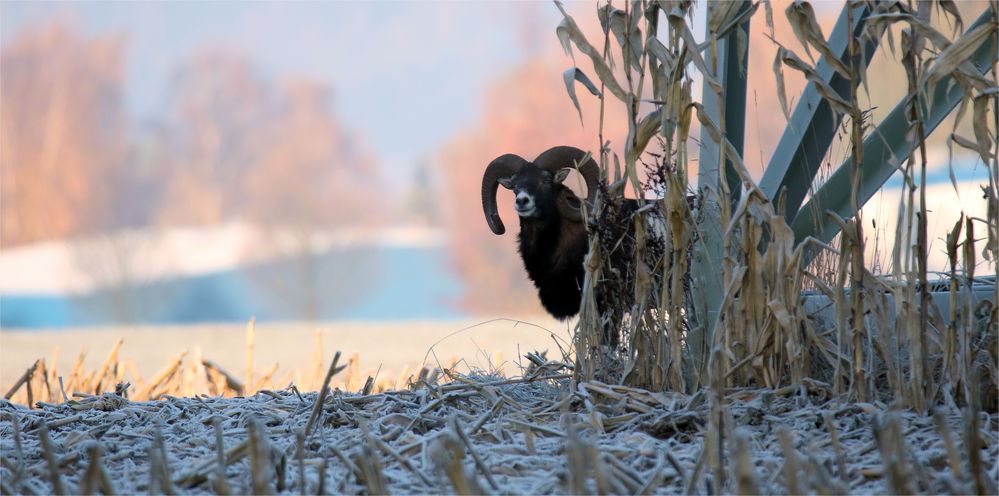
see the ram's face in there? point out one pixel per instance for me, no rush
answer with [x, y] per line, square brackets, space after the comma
[533, 190]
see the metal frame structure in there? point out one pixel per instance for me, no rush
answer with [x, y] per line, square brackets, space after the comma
[805, 141]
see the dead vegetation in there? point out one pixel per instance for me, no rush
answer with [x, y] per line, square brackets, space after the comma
[883, 336]
[541, 433]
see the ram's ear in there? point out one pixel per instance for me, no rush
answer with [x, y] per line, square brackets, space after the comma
[506, 182]
[562, 174]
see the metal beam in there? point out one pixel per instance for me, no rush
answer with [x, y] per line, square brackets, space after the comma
[889, 144]
[813, 123]
[732, 67]
[707, 257]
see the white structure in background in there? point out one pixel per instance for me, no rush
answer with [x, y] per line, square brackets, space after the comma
[81, 266]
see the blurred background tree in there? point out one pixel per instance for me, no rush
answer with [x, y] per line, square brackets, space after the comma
[63, 141]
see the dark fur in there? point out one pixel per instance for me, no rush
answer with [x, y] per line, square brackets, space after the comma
[553, 251]
[554, 248]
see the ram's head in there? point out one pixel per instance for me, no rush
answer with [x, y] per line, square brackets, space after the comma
[537, 185]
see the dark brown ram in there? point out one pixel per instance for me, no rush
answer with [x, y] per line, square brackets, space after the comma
[552, 239]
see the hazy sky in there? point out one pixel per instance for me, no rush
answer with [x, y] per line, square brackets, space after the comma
[405, 75]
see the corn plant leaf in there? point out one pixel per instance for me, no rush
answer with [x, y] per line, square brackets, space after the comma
[950, 7]
[980, 123]
[616, 21]
[825, 91]
[953, 237]
[963, 142]
[603, 15]
[957, 53]
[731, 154]
[575, 35]
[647, 128]
[562, 31]
[570, 77]
[678, 23]
[721, 14]
[657, 50]
[636, 14]
[768, 10]
[939, 41]
[808, 26]
[742, 48]
[782, 316]
[799, 22]
[781, 91]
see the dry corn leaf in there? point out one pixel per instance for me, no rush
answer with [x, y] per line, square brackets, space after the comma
[768, 10]
[742, 49]
[604, 15]
[798, 21]
[568, 31]
[570, 77]
[957, 53]
[830, 95]
[781, 90]
[950, 7]
[963, 142]
[807, 29]
[721, 14]
[782, 315]
[647, 128]
[980, 123]
[680, 25]
[923, 29]
[657, 50]
[616, 20]
[731, 154]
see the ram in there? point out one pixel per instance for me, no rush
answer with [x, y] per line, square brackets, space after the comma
[553, 241]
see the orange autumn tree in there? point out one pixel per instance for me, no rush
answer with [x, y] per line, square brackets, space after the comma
[63, 140]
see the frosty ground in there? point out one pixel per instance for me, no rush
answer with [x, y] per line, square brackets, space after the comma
[541, 434]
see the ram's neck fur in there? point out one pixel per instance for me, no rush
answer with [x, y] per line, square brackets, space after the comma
[553, 250]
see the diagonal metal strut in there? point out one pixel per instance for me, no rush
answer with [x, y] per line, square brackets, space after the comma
[813, 123]
[890, 143]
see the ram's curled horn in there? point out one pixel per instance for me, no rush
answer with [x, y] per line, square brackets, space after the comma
[561, 157]
[502, 167]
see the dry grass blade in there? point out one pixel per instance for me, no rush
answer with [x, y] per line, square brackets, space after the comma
[261, 463]
[24, 379]
[163, 378]
[106, 366]
[50, 459]
[231, 383]
[321, 397]
[250, 327]
[456, 427]
[370, 465]
[221, 481]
